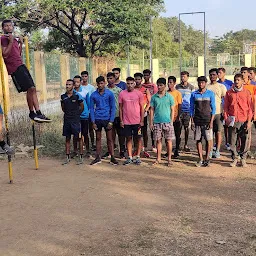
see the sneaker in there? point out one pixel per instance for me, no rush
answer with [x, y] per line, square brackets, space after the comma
[80, 160]
[32, 115]
[128, 161]
[73, 155]
[67, 161]
[93, 148]
[200, 164]
[154, 149]
[8, 150]
[146, 154]
[211, 155]
[206, 163]
[137, 161]
[176, 154]
[115, 147]
[97, 160]
[113, 161]
[227, 147]
[88, 154]
[42, 119]
[122, 155]
[165, 155]
[250, 155]
[186, 149]
[105, 156]
[243, 163]
[217, 154]
[233, 163]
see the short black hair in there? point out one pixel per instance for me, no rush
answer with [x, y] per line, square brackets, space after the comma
[100, 79]
[183, 73]
[161, 80]
[109, 74]
[238, 75]
[84, 73]
[172, 78]
[129, 78]
[202, 79]
[244, 69]
[77, 76]
[70, 80]
[222, 69]
[138, 74]
[146, 71]
[213, 70]
[6, 21]
[252, 69]
[116, 69]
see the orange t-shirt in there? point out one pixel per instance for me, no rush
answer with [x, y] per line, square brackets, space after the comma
[251, 88]
[178, 101]
[143, 90]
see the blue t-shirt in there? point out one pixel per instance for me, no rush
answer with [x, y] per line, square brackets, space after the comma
[122, 85]
[102, 106]
[162, 107]
[227, 83]
[89, 88]
[1, 110]
[253, 82]
[86, 99]
[186, 92]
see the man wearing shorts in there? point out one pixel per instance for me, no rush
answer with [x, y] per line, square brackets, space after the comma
[103, 110]
[147, 97]
[219, 91]
[228, 84]
[118, 82]
[131, 112]
[161, 118]
[177, 110]
[152, 88]
[202, 111]
[89, 89]
[186, 89]
[238, 116]
[72, 105]
[12, 48]
[116, 124]
[4, 146]
[84, 117]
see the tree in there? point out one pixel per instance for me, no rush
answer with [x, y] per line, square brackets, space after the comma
[88, 27]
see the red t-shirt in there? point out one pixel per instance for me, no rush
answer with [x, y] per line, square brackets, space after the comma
[151, 87]
[14, 60]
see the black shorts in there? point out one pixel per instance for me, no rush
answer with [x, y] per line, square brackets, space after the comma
[102, 124]
[22, 79]
[132, 130]
[72, 129]
[84, 127]
[185, 119]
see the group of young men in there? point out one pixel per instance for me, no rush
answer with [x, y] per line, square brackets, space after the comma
[125, 110]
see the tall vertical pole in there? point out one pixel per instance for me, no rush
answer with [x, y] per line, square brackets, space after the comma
[128, 59]
[151, 45]
[204, 46]
[180, 43]
[33, 123]
[5, 111]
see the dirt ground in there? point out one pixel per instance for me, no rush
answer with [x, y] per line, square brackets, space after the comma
[128, 210]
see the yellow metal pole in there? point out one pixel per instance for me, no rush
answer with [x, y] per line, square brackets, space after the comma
[5, 111]
[33, 123]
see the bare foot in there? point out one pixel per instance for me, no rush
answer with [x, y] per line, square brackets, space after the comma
[156, 162]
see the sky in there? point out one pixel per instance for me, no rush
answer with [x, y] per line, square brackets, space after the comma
[221, 15]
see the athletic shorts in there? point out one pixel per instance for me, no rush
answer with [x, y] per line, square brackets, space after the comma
[22, 79]
[132, 130]
[1, 110]
[185, 119]
[163, 130]
[72, 129]
[84, 127]
[217, 123]
[202, 132]
[102, 124]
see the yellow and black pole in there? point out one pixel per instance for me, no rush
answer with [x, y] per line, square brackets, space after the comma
[5, 111]
[33, 123]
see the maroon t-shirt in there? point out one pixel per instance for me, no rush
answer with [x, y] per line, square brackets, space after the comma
[14, 60]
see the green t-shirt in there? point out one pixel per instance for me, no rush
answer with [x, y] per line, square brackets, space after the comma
[116, 90]
[162, 107]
